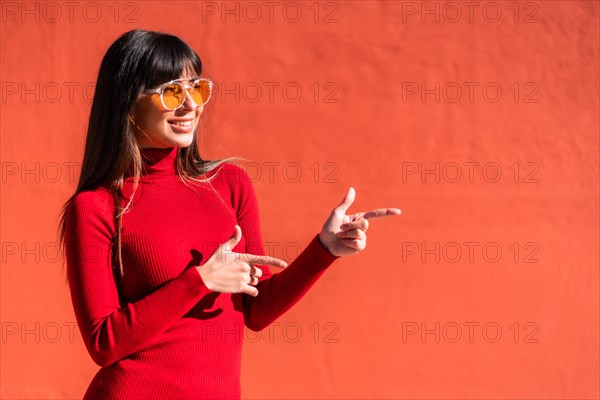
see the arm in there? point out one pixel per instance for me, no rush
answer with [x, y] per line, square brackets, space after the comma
[276, 293]
[111, 332]
[279, 292]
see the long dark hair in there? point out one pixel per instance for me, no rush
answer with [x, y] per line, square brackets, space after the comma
[137, 60]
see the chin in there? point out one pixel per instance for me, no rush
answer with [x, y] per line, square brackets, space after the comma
[182, 140]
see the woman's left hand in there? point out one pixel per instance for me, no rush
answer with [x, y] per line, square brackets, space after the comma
[345, 234]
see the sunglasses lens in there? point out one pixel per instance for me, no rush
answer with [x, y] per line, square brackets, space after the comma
[173, 96]
[201, 92]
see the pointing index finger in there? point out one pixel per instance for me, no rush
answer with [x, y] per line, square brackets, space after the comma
[264, 260]
[380, 212]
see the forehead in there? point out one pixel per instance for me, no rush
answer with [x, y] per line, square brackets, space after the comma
[188, 72]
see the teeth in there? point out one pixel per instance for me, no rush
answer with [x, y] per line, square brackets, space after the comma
[182, 123]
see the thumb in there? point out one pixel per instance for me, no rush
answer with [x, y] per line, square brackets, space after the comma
[348, 200]
[234, 239]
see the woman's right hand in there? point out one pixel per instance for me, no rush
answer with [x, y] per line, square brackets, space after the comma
[229, 272]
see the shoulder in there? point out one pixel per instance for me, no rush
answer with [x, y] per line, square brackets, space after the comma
[236, 184]
[95, 205]
[99, 198]
[232, 172]
[234, 176]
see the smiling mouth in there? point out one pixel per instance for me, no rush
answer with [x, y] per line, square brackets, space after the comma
[183, 123]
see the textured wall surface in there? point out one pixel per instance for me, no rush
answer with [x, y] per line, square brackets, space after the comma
[480, 120]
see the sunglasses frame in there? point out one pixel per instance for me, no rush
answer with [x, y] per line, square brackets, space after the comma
[186, 88]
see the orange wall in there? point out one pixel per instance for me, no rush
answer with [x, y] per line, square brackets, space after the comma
[416, 109]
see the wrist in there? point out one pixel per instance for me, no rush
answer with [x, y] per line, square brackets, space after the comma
[323, 243]
[202, 272]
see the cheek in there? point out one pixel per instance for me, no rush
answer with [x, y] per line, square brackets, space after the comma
[149, 115]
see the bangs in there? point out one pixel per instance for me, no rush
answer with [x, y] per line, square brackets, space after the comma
[169, 57]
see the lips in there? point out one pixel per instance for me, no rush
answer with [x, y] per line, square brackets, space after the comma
[181, 122]
[181, 125]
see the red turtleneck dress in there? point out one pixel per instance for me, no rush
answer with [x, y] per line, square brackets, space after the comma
[171, 337]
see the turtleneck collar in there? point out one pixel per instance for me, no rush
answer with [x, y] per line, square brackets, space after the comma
[159, 161]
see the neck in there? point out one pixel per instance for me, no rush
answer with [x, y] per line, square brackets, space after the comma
[159, 160]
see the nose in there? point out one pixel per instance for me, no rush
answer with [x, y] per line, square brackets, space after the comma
[188, 102]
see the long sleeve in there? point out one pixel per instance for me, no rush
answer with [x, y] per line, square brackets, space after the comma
[163, 333]
[277, 292]
[112, 332]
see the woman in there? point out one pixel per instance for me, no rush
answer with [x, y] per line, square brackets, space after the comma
[164, 253]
